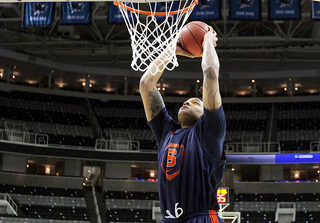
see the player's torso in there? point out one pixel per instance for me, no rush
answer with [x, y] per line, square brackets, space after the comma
[182, 175]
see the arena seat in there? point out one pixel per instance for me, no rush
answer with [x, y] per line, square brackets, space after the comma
[57, 116]
[298, 123]
[66, 121]
[48, 203]
[252, 205]
[129, 206]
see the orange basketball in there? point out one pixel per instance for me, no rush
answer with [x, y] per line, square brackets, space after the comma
[191, 37]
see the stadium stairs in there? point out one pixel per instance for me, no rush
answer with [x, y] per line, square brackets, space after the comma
[101, 204]
[92, 119]
[87, 190]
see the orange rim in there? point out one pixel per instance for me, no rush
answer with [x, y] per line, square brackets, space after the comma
[156, 13]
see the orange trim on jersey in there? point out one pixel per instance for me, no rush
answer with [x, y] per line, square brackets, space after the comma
[173, 145]
[173, 175]
[213, 216]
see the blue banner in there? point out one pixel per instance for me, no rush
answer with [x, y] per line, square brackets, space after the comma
[284, 9]
[315, 10]
[39, 14]
[251, 159]
[298, 158]
[115, 15]
[75, 13]
[206, 10]
[274, 159]
[245, 9]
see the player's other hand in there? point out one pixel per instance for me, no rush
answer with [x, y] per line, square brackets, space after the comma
[211, 35]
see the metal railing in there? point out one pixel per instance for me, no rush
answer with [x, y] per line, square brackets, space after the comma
[15, 126]
[24, 137]
[315, 147]
[232, 217]
[120, 135]
[156, 211]
[253, 147]
[251, 137]
[286, 212]
[118, 145]
[11, 203]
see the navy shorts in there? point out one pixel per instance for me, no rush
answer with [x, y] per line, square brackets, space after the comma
[210, 216]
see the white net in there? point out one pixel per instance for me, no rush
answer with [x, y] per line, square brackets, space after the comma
[153, 27]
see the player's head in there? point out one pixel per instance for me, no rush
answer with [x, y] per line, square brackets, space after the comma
[190, 111]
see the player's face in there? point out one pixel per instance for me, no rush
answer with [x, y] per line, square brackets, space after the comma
[190, 112]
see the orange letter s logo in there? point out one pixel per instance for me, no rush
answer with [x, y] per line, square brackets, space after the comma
[171, 159]
[172, 162]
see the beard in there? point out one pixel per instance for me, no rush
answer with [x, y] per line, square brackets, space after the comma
[187, 119]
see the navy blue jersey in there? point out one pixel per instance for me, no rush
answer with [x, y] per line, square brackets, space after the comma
[189, 163]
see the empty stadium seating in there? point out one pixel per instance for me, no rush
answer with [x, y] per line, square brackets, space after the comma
[138, 195]
[298, 124]
[130, 206]
[257, 217]
[47, 203]
[45, 191]
[66, 119]
[14, 219]
[129, 215]
[262, 207]
[307, 217]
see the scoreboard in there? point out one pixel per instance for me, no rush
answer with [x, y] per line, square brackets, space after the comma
[223, 195]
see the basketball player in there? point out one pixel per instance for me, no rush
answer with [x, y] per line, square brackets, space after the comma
[191, 158]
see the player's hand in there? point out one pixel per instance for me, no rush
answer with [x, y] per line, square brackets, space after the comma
[212, 35]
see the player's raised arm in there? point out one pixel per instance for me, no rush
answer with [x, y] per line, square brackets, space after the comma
[210, 66]
[151, 97]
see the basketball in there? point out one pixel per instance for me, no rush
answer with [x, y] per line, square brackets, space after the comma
[191, 37]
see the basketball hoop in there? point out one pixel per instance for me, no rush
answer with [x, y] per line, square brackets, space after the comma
[153, 26]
